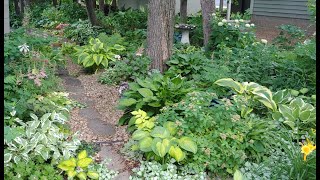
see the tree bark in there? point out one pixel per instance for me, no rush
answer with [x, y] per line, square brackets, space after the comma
[183, 11]
[101, 5]
[55, 3]
[114, 5]
[90, 12]
[22, 6]
[16, 7]
[221, 6]
[207, 7]
[160, 32]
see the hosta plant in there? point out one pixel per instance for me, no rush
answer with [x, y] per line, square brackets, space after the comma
[97, 53]
[42, 137]
[79, 167]
[159, 141]
[248, 93]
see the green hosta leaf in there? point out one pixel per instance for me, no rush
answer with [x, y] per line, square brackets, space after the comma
[171, 127]
[146, 84]
[82, 154]
[294, 92]
[282, 97]
[118, 47]
[290, 123]
[145, 144]
[305, 115]
[149, 124]
[88, 62]
[228, 82]
[127, 102]
[186, 143]
[68, 165]
[304, 90]
[105, 62]
[155, 104]
[140, 134]
[145, 92]
[93, 175]
[82, 57]
[7, 157]
[82, 176]
[97, 58]
[160, 132]
[276, 115]
[238, 176]
[34, 117]
[264, 95]
[71, 173]
[160, 147]
[176, 153]
[297, 103]
[83, 163]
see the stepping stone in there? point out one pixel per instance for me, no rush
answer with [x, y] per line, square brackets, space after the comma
[89, 113]
[62, 72]
[75, 89]
[100, 127]
[117, 163]
[71, 81]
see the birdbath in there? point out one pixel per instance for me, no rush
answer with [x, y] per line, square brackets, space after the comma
[185, 28]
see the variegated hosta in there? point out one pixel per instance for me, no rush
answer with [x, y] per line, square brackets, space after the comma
[96, 53]
[248, 93]
[160, 141]
[79, 167]
[296, 113]
[42, 137]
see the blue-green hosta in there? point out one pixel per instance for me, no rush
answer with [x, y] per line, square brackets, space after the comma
[97, 53]
[41, 137]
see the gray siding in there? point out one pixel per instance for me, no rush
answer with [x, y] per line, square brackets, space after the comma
[281, 8]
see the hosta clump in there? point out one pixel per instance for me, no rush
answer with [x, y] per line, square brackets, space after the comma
[104, 172]
[153, 93]
[79, 167]
[156, 171]
[41, 136]
[97, 54]
[160, 142]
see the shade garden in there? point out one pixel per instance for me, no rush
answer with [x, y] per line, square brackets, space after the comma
[242, 107]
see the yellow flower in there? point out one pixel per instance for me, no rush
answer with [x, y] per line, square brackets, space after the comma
[306, 149]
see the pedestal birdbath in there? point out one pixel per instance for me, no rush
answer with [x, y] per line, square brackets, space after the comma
[185, 28]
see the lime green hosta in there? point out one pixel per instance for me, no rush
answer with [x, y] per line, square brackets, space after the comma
[96, 53]
[159, 140]
[78, 167]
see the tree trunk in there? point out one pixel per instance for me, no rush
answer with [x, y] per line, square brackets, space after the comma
[114, 5]
[22, 6]
[55, 3]
[207, 7]
[183, 11]
[101, 5]
[221, 6]
[160, 32]
[27, 3]
[91, 13]
[16, 7]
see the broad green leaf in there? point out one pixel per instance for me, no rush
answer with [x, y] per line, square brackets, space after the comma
[105, 63]
[83, 163]
[127, 102]
[297, 103]
[97, 58]
[305, 115]
[145, 92]
[145, 144]
[276, 115]
[71, 173]
[155, 104]
[171, 127]
[82, 176]
[160, 132]
[294, 92]
[159, 147]
[88, 61]
[82, 57]
[93, 175]
[290, 123]
[228, 82]
[82, 154]
[186, 143]
[238, 175]
[264, 95]
[140, 134]
[176, 153]
[304, 90]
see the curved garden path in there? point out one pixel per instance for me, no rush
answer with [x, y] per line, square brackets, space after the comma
[97, 121]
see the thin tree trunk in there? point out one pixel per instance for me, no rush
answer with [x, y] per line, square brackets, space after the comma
[101, 5]
[221, 6]
[183, 11]
[91, 13]
[27, 2]
[16, 7]
[114, 5]
[55, 3]
[22, 6]
[207, 7]
[160, 32]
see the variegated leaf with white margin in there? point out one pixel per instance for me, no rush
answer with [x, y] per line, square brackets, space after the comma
[7, 157]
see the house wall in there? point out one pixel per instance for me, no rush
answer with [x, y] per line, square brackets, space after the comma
[6, 17]
[193, 5]
[281, 8]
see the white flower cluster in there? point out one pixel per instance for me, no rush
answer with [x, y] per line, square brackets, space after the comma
[117, 57]
[264, 41]
[154, 171]
[237, 23]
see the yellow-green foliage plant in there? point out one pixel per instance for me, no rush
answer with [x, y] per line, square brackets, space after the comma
[159, 141]
[78, 167]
